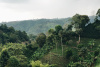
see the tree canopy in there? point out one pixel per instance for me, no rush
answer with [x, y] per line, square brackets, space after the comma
[9, 34]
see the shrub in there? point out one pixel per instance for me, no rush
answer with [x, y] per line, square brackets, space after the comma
[96, 53]
[13, 62]
[38, 64]
[68, 53]
[4, 58]
[74, 58]
[80, 45]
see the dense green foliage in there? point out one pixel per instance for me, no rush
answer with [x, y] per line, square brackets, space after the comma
[41, 39]
[4, 58]
[38, 64]
[9, 34]
[13, 62]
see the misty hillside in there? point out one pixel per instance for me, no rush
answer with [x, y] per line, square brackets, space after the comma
[38, 25]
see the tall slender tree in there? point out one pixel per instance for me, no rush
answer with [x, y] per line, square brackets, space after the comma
[61, 36]
[98, 13]
[79, 23]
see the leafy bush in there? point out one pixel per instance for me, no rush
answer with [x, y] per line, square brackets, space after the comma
[80, 45]
[15, 49]
[22, 60]
[4, 58]
[30, 49]
[69, 53]
[96, 53]
[74, 58]
[13, 62]
[40, 52]
[38, 64]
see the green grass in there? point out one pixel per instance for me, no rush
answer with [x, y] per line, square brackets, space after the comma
[98, 65]
[59, 50]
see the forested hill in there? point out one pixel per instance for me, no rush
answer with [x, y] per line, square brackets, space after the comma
[38, 25]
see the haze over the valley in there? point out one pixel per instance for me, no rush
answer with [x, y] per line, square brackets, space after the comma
[14, 10]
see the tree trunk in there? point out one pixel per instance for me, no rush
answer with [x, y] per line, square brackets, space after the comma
[56, 47]
[61, 41]
[62, 50]
[62, 46]
[50, 58]
[79, 38]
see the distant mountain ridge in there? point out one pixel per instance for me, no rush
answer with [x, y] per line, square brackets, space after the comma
[36, 26]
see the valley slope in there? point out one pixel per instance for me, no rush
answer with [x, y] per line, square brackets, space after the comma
[37, 26]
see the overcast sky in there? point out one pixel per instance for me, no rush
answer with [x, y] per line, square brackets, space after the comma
[13, 10]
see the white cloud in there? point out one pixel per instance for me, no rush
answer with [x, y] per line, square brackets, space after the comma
[14, 1]
[11, 10]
